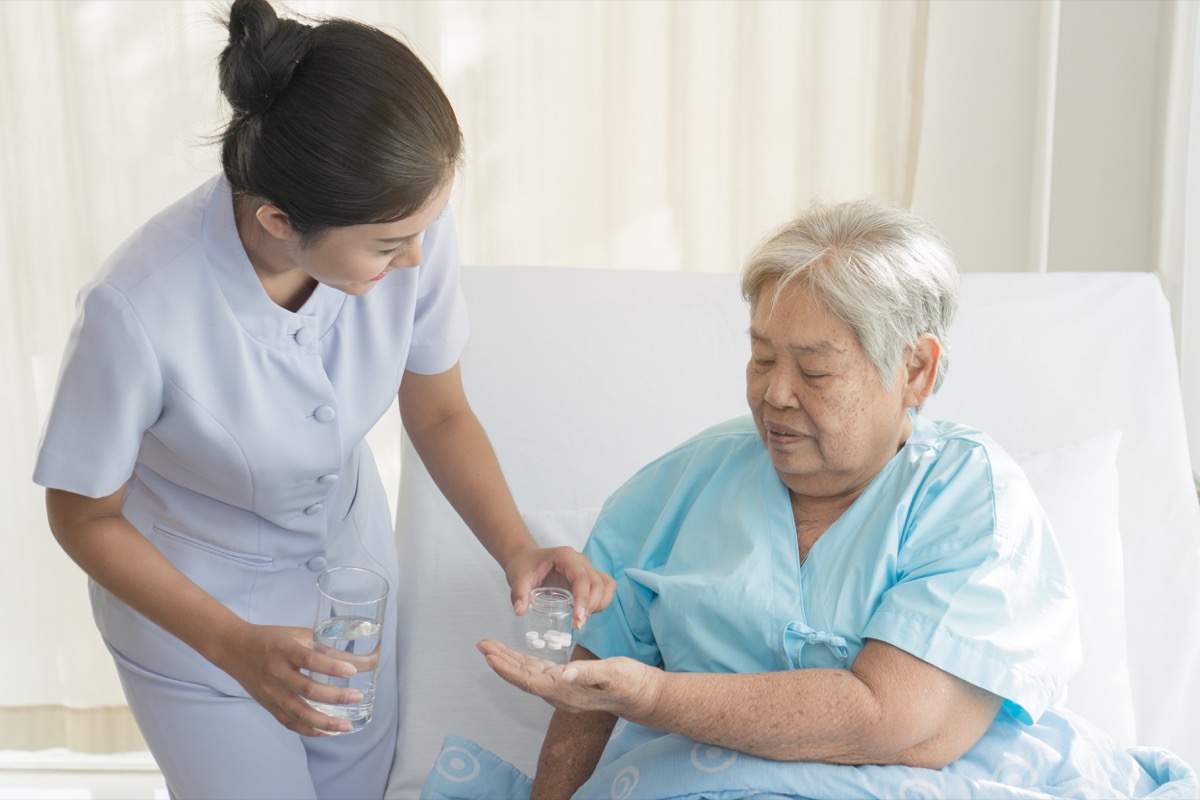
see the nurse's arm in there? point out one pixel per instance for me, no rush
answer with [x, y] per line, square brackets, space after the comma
[888, 708]
[265, 660]
[459, 457]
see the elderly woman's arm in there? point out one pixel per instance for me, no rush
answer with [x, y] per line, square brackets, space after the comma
[571, 748]
[888, 708]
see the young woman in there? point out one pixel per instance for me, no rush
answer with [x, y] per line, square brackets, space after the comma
[204, 457]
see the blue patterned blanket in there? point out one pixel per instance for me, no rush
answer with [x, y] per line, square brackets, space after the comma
[1062, 756]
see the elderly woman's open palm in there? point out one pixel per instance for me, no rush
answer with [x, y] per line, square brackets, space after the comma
[621, 686]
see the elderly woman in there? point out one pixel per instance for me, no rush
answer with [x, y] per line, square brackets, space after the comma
[834, 578]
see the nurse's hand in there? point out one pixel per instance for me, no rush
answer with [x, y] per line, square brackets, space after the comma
[559, 566]
[620, 686]
[267, 661]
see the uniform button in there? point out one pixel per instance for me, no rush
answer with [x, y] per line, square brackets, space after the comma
[317, 563]
[328, 479]
[324, 413]
[315, 508]
[305, 336]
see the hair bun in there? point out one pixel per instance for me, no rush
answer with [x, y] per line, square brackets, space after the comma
[262, 54]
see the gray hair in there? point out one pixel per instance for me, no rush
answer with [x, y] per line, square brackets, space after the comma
[883, 271]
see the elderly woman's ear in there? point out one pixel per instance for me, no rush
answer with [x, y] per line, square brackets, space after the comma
[920, 365]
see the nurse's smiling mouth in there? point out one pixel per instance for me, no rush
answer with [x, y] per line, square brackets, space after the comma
[381, 275]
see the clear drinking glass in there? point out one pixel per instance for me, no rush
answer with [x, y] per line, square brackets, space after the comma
[548, 631]
[351, 602]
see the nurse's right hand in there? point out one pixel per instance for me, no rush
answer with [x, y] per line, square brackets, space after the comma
[267, 661]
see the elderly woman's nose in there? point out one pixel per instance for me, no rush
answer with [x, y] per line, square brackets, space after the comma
[780, 392]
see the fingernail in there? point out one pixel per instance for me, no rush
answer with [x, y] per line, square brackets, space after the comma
[569, 674]
[356, 696]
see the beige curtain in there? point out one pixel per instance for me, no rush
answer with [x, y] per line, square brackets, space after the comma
[656, 135]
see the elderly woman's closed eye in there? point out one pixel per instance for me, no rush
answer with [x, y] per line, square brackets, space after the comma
[822, 580]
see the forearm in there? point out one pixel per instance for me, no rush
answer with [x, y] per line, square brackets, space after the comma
[572, 747]
[890, 707]
[269, 661]
[456, 451]
[570, 752]
[460, 459]
[465, 468]
[824, 715]
[116, 555]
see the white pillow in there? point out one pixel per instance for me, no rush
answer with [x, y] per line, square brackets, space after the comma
[1077, 485]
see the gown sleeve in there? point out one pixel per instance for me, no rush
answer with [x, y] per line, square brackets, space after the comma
[440, 327]
[980, 589]
[628, 537]
[109, 393]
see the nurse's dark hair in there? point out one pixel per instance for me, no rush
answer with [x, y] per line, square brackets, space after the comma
[336, 123]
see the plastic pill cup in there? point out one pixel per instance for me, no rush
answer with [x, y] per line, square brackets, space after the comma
[548, 631]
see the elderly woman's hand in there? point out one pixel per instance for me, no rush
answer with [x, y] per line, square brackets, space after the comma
[620, 686]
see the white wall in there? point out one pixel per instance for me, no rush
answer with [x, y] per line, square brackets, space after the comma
[1107, 134]
[990, 65]
[974, 167]
[1182, 229]
[1064, 135]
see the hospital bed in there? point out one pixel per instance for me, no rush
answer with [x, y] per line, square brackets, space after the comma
[582, 376]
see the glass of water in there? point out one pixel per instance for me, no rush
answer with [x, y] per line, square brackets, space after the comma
[351, 602]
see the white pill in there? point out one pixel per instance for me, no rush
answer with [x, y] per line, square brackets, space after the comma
[565, 639]
[531, 635]
[554, 644]
[537, 644]
[552, 635]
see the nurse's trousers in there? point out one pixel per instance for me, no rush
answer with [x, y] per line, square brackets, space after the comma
[213, 746]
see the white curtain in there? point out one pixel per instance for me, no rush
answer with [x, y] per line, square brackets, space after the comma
[653, 135]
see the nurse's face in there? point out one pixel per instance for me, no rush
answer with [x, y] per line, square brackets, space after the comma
[828, 422]
[356, 257]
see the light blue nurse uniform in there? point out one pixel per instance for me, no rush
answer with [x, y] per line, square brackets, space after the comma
[239, 426]
[946, 555]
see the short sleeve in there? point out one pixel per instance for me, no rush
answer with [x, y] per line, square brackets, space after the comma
[440, 326]
[619, 544]
[109, 393]
[655, 537]
[981, 590]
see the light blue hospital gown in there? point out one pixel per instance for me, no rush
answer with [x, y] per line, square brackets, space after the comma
[239, 426]
[946, 555]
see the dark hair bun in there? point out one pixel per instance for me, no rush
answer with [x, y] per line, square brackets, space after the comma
[262, 54]
[336, 123]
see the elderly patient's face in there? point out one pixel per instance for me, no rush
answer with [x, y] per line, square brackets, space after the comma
[828, 422]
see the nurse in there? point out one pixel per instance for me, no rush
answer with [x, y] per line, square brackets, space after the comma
[835, 577]
[204, 457]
